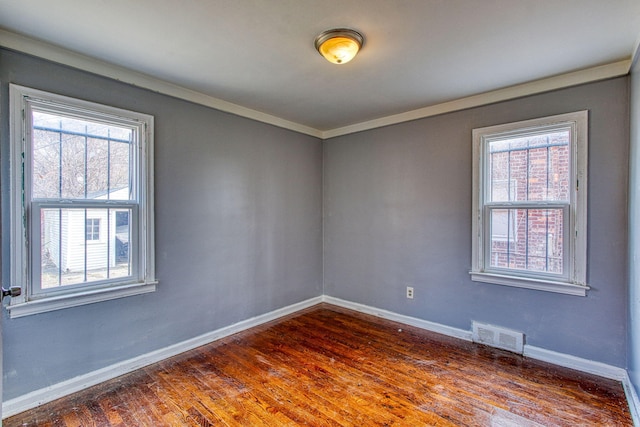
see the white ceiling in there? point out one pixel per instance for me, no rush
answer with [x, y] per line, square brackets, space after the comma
[259, 54]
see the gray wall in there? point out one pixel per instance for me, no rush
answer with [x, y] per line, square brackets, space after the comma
[239, 228]
[238, 232]
[397, 212]
[634, 228]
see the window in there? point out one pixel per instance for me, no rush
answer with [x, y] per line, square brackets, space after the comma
[92, 229]
[82, 207]
[529, 204]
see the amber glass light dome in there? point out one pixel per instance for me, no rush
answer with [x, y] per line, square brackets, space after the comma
[339, 46]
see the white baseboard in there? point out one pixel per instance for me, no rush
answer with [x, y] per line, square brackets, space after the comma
[56, 391]
[407, 320]
[560, 359]
[64, 388]
[632, 399]
[573, 362]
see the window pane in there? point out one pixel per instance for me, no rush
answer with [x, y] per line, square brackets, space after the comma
[72, 251]
[503, 189]
[527, 239]
[97, 168]
[119, 171]
[80, 159]
[532, 168]
[72, 167]
[46, 164]
[121, 236]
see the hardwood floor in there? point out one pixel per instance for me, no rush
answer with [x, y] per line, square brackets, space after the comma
[328, 366]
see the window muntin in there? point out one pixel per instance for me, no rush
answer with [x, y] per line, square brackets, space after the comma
[77, 158]
[92, 228]
[534, 243]
[529, 221]
[66, 260]
[537, 164]
[83, 186]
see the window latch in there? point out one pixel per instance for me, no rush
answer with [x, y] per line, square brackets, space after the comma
[13, 291]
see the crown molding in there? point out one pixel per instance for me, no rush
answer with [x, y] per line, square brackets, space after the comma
[575, 78]
[64, 56]
[86, 63]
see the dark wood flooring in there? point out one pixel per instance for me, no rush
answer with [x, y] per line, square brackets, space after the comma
[328, 366]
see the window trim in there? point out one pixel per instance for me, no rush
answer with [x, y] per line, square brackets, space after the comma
[574, 282]
[145, 281]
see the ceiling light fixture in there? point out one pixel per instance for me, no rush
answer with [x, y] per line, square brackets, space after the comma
[339, 46]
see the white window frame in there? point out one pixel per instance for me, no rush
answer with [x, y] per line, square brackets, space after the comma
[24, 240]
[573, 281]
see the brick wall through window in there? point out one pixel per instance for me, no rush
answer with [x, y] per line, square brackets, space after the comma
[534, 168]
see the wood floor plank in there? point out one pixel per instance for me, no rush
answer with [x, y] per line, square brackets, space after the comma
[117, 400]
[328, 366]
[295, 407]
[110, 410]
[334, 370]
[231, 406]
[292, 371]
[345, 357]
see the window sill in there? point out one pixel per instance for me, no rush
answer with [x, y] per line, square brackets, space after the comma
[536, 284]
[28, 308]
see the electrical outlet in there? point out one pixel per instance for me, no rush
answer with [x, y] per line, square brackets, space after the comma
[409, 292]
